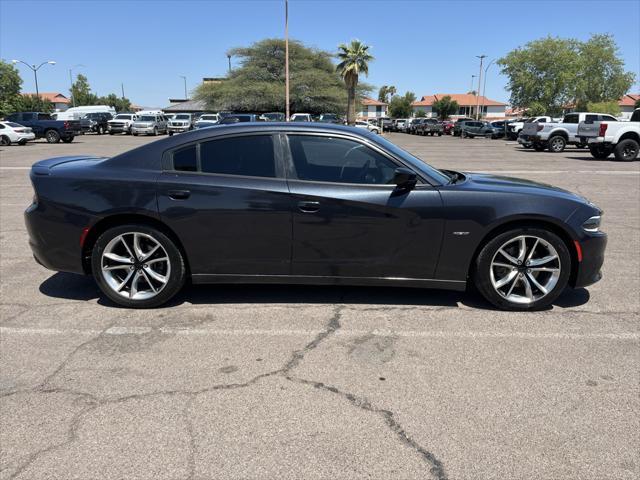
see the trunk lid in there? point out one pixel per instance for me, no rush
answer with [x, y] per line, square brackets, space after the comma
[44, 167]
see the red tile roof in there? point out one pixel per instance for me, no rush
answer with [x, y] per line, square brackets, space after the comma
[463, 99]
[371, 101]
[53, 97]
[629, 100]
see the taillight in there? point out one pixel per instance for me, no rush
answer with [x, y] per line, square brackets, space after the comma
[66, 125]
[603, 129]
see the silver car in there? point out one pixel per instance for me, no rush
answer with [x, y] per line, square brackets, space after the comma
[182, 122]
[149, 125]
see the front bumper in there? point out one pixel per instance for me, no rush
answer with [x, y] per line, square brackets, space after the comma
[177, 129]
[141, 129]
[589, 269]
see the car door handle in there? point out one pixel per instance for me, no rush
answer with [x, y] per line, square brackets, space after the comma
[179, 194]
[308, 207]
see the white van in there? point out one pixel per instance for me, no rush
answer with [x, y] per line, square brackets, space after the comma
[79, 112]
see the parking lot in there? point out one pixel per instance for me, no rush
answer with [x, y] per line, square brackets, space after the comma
[323, 382]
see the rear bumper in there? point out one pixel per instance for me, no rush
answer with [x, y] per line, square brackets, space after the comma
[589, 270]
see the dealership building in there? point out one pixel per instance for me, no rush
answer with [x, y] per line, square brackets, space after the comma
[468, 105]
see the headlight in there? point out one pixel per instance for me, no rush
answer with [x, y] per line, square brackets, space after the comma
[592, 225]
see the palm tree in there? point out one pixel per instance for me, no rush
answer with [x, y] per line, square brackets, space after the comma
[354, 60]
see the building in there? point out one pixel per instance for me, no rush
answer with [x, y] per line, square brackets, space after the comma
[467, 105]
[371, 108]
[180, 105]
[59, 101]
[627, 104]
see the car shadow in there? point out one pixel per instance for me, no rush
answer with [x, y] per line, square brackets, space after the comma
[83, 288]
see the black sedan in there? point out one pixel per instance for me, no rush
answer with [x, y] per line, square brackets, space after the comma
[305, 204]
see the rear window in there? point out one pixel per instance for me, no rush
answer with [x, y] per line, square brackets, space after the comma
[247, 156]
[186, 159]
[571, 118]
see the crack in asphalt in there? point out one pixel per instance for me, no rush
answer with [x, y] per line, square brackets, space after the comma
[435, 466]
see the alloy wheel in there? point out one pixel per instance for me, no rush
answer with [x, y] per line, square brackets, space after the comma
[525, 269]
[557, 144]
[135, 266]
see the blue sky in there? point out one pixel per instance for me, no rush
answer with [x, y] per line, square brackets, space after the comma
[423, 46]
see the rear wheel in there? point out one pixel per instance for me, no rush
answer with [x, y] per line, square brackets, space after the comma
[626, 150]
[523, 269]
[100, 130]
[137, 266]
[52, 136]
[5, 141]
[600, 151]
[557, 144]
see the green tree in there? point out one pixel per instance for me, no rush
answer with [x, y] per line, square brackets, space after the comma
[81, 92]
[445, 107]
[555, 72]
[31, 103]
[612, 108]
[119, 103]
[10, 84]
[258, 83]
[391, 91]
[421, 114]
[637, 104]
[354, 60]
[400, 106]
[382, 93]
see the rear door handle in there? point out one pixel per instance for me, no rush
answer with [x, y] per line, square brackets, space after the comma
[308, 207]
[179, 194]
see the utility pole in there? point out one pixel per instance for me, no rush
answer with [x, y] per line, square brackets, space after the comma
[286, 59]
[122, 86]
[229, 58]
[481, 57]
[185, 86]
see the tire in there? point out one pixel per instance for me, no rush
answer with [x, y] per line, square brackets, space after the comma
[100, 130]
[557, 144]
[155, 131]
[52, 136]
[375, 131]
[170, 133]
[135, 134]
[67, 139]
[439, 134]
[538, 147]
[5, 141]
[111, 133]
[626, 150]
[22, 142]
[172, 270]
[514, 293]
[600, 151]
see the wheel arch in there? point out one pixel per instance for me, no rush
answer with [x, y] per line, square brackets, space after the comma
[629, 136]
[556, 133]
[122, 219]
[533, 222]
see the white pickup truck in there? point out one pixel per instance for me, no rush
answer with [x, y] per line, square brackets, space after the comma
[555, 136]
[606, 137]
[514, 128]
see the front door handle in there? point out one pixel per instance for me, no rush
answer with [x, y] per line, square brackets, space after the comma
[179, 194]
[308, 207]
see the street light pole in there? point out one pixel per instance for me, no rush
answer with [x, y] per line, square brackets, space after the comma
[286, 59]
[484, 87]
[73, 98]
[35, 72]
[185, 86]
[481, 57]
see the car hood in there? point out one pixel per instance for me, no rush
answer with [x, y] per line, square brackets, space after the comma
[488, 182]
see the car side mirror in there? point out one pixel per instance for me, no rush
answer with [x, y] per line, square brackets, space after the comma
[404, 178]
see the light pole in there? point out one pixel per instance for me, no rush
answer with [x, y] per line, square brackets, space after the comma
[484, 86]
[286, 59]
[481, 57]
[73, 97]
[185, 86]
[35, 71]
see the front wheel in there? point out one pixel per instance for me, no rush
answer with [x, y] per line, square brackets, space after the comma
[52, 136]
[137, 266]
[626, 150]
[170, 133]
[100, 130]
[523, 269]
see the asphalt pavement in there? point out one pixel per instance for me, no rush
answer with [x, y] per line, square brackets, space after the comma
[279, 382]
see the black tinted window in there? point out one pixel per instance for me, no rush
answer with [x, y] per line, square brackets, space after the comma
[250, 156]
[570, 119]
[608, 118]
[185, 159]
[329, 159]
[591, 118]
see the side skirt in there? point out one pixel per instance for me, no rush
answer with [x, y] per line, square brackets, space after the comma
[458, 285]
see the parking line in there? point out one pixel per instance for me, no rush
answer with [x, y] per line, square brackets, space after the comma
[115, 331]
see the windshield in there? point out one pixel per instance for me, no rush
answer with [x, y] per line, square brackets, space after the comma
[182, 117]
[123, 117]
[146, 118]
[208, 117]
[273, 116]
[434, 173]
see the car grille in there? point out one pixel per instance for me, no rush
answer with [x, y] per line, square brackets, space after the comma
[117, 124]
